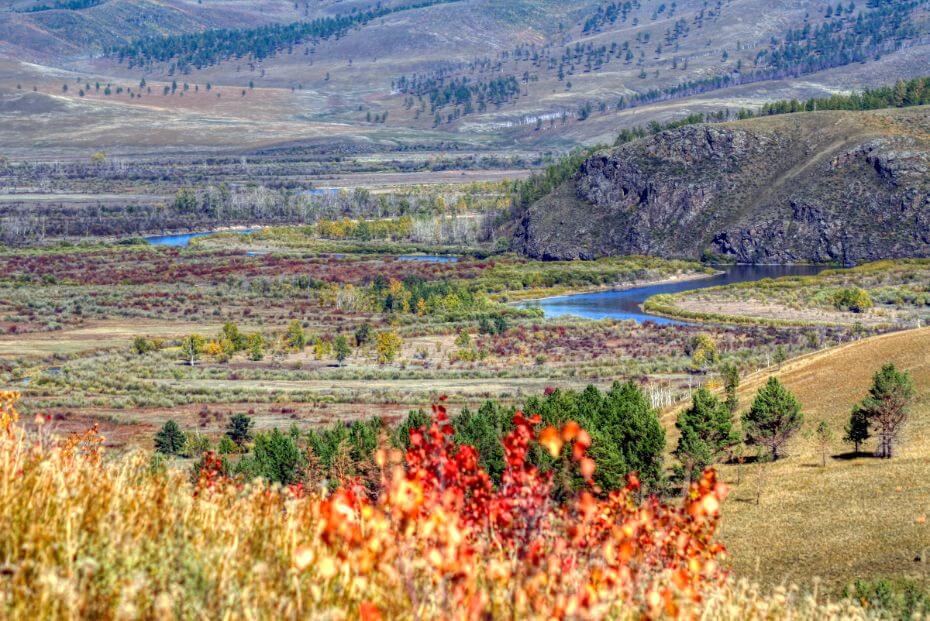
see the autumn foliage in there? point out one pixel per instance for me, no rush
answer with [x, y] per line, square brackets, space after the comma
[105, 538]
[453, 546]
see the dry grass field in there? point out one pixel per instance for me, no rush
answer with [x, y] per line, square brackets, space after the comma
[857, 517]
[94, 336]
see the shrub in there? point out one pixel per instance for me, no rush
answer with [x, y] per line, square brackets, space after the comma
[387, 345]
[195, 444]
[226, 446]
[275, 457]
[142, 345]
[216, 548]
[904, 599]
[239, 429]
[852, 299]
[626, 435]
[295, 337]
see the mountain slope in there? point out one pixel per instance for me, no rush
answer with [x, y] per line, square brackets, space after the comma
[541, 75]
[820, 186]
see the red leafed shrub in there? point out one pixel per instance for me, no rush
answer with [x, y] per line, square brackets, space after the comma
[464, 549]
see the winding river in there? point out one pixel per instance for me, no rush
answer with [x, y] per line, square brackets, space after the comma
[627, 303]
[613, 304]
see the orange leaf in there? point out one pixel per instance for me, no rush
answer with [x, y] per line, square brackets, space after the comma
[570, 431]
[584, 439]
[587, 468]
[551, 439]
[369, 612]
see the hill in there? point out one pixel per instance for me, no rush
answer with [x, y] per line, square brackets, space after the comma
[856, 518]
[536, 74]
[825, 186]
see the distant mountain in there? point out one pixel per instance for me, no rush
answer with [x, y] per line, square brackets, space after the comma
[541, 75]
[824, 186]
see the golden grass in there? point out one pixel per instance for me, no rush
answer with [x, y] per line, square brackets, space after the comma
[89, 537]
[856, 518]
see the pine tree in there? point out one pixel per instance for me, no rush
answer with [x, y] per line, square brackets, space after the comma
[886, 407]
[239, 429]
[857, 429]
[730, 374]
[341, 348]
[706, 431]
[170, 439]
[775, 416]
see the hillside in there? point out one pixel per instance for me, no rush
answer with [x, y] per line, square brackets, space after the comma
[524, 74]
[827, 186]
[856, 518]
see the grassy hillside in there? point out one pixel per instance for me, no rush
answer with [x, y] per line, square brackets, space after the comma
[856, 518]
[539, 73]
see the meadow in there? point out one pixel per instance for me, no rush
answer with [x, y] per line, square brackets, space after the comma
[331, 339]
[98, 330]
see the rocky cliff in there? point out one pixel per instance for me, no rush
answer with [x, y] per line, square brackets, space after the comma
[826, 186]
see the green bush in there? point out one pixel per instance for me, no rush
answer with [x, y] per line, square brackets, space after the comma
[852, 299]
[275, 457]
[626, 435]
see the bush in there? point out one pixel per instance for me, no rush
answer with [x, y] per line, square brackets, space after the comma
[388, 345]
[625, 430]
[275, 457]
[904, 599]
[195, 444]
[852, 299]
[214, 549]
[142, 345]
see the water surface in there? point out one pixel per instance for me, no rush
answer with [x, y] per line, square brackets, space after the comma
[184, 239]
[627, 304]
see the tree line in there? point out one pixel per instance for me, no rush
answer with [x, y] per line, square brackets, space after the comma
[904, 93]
[203, 49]
[69, 5]
[626, 435]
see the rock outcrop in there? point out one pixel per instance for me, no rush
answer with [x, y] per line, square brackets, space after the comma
[825, 187]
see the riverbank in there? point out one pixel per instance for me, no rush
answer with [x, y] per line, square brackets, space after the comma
[888, 294]
[571, 291]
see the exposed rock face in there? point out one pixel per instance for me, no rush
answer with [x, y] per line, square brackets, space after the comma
[823, 187]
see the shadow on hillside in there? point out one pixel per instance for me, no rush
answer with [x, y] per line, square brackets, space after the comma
[854, 455]
[748, 460]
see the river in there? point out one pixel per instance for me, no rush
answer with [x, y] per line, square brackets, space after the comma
[627, 303]
[184, 239]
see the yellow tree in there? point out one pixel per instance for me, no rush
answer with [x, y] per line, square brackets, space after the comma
[388, 344]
